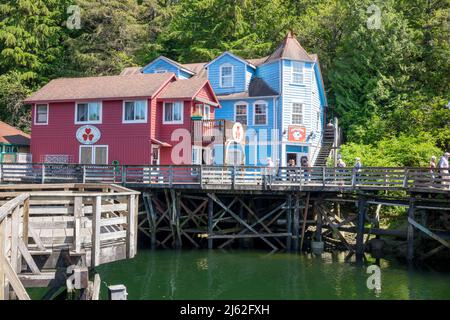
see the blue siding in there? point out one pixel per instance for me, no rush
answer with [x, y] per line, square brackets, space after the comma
[270, 73]
[161, 64]
[239, 75]
[259, 137]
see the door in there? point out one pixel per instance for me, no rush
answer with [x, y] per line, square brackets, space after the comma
[155, 155]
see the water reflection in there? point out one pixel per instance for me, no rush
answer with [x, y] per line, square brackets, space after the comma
[258, 275]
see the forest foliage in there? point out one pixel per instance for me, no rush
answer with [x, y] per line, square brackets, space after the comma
[385, 63]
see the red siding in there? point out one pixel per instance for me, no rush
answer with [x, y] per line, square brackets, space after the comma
[127, 143]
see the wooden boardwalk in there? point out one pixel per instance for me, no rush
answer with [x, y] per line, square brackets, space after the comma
[47, 227]
[234, 178]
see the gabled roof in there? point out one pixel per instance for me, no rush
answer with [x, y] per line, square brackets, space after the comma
[290, 49]
[174, 63]
[131, 70]
[106, 87]
[232, 55]
[11, 135]
[186, 89]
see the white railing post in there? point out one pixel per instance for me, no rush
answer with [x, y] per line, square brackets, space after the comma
[84, 173]
[170, 176]
[123, 177]
[43, 174]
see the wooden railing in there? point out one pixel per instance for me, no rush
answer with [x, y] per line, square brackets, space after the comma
[226, 177]
[94, 221]
[14, 216]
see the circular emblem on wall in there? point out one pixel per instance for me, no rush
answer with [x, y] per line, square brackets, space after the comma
[88, 134]
[237, 132]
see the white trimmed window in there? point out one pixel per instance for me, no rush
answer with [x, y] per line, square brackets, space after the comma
[88, 112]
[226, 75]
[260, 114]
[297, 72]
[93, 154]
[41, 116]
[241, 112]
[173, 112]
[206, 112]
[297, 113]
[135, 111]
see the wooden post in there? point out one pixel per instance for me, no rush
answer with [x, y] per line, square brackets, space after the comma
[305, 217]
[84, 174]
[170, 176]
[26, 220]
[289, 222]
[296, 225]
[130, 226]
[43, 173]
[77, 214]
[210, 222]
[96, 215]
[360, 228]
[15, 224]
[177, 220]
[410, 234]
[319, 224]
[2, 254]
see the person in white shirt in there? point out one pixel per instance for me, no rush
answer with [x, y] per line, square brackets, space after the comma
[443, 169]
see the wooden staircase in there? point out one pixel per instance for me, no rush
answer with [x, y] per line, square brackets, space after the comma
[327, 146]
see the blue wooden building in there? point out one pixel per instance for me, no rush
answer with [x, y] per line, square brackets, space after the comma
[280, 98]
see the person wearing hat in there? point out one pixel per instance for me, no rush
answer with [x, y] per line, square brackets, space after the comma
[443, 170]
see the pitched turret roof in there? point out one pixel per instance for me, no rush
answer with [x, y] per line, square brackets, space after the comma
[291, 49]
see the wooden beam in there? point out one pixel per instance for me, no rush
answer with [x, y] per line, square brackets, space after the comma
[96, 288]
[235, 216]
[305, 216]
[2, 254]
[26, 220]
[15, 225]
[289, 223]
[210, 222]
[28, 258]
[14, 281]
[96, 216]
[36, 238]
[428, 232]
[360, 228]
[410, 236]
[78, 213]
[296, 226]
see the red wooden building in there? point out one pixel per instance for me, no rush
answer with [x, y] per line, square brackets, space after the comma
[128, 119]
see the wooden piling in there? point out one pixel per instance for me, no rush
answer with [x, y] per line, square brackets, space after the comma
[360, 228]
[305, 217]
[210, 222]
[96, 215]
[410, 234]
[77, 214]
[296, 225]
[131, 226]
[289, 222]
[319, 224]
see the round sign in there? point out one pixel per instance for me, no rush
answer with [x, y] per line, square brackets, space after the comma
[237, 132]
[88, 134]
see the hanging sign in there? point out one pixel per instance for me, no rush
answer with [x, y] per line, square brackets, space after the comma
[88, 134]
[237, 132]
[297, 134]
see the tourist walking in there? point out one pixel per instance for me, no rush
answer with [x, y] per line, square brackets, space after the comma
[443, 170]
[357, 169]
[433, 167]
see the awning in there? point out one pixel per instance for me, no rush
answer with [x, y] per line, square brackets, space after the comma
[160, 143]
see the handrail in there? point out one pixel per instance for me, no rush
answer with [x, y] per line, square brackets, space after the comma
[235, 176]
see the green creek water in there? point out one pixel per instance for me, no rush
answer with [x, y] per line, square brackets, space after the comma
[204, 274]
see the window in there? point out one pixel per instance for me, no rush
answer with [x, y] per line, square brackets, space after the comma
[173, 112]
[94, 154]
[196, 155]
[160, 71]
[240, 113]
[41, 116]
[226, 76]
[135, 111]
[206, 112]
[260, 113]
[202, 110]
[89, 112]
[297, 72]
[297, 113]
